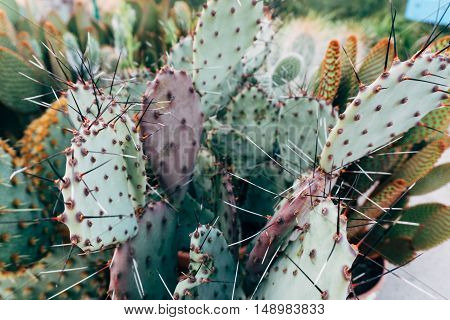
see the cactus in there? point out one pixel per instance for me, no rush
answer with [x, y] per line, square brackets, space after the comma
[26, 230]
[96, 213]
[317, 260]
[252, 114]
[191, 213]
[212, 62]
[251, 147]
[427, 227]
[172, 126]
[303, 123]
[138, 264]
[212, 267]
[435, 179]
[181, 54]
[400, 87]
[289, 213]
[44, 139]
[47, 278]
[16, 86]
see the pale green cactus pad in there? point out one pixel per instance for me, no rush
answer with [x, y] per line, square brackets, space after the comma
[180, 56]
[224, 32]
[211, 270]
[304, 122]
[85, 275]
[257, 54]
[99, 210]
[287, 69]
[315, 265]
[391, 105]
[255, 116]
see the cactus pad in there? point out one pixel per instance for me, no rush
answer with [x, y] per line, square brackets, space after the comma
[391, 105]
[99, 209]
[137, 262]
[23, 238]
[172, 122]
[212, 268]
[290, 212]
[319, 253]
[224, 32]
[302, 120]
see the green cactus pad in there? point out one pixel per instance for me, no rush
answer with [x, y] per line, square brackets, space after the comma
[180, 56]
[23, 238]
[257, 54]
[434, 220]
[16, 87]
[302, 120]
[287, 69]
[319, 253]
[46, 279]
[137, 263]
[211, 270]
[205, 171]
[255, 116]
[435, 179]
[172, 126]
[330, 73]
[348, 78]
[224, 32]
[99, 210]
[391, 105]
[433, 229]
[419, 165]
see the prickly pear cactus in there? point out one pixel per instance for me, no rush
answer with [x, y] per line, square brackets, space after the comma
[317, 260]
[171, 129]
[303, 127]
[144, 265]
[25, 232]
[180, 56]
[15, 74]
[105, 180]
[289, 213]
[415, 87]
[224, 32]
[254, 116]
[53, 276]
[212, 268]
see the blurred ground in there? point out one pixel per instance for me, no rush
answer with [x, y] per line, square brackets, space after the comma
[429, 273]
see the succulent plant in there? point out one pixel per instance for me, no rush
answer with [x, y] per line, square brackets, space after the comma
[247, 167]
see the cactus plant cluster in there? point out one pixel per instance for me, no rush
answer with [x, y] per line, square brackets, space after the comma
[235, 171]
